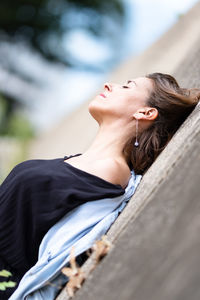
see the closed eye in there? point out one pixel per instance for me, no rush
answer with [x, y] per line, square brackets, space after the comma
[131, 81]
[125, 86]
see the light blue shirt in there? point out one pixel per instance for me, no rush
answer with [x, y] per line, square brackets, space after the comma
[79, 228]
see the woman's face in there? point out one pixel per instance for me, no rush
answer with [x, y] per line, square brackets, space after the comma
[121, 101]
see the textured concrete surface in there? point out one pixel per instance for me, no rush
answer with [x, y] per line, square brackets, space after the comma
[74, 133]
[157, 256]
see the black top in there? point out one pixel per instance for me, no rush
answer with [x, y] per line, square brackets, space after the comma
[34, 196]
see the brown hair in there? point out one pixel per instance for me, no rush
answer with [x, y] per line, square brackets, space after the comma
[174, 104]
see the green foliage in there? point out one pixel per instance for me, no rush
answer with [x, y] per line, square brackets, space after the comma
[19, 126]
[3, 109]
[5, 273]
[6, 284]
[12, 122]
[43, 23]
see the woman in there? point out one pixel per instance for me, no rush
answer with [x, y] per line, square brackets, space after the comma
[136, 121]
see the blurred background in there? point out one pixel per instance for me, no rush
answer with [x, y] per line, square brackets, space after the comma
[54, 55]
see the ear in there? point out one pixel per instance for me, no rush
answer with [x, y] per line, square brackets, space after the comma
[146, 113]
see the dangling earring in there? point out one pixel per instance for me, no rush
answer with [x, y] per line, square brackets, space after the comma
[136, 144]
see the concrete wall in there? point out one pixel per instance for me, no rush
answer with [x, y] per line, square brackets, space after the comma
[156, 255]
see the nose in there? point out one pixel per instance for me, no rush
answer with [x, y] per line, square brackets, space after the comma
[108, 87]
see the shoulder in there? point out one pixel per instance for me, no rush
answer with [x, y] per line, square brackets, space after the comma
[115, 171]
[111, 170]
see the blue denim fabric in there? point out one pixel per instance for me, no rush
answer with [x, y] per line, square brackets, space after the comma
[79, 228]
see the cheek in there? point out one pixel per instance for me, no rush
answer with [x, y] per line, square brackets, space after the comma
[114, 106]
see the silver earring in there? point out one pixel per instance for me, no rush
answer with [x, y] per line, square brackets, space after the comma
[136, 144]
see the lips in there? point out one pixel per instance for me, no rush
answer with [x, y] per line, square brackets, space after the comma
[102, 95]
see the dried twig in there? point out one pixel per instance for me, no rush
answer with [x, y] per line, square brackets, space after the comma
[101, 248]
[75, 274]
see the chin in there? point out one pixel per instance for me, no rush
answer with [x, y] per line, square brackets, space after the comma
[95, 110]
[92, 108]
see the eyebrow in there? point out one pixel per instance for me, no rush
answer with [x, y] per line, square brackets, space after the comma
[129, 81]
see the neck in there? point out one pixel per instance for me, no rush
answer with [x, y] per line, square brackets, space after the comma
[110, 142]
